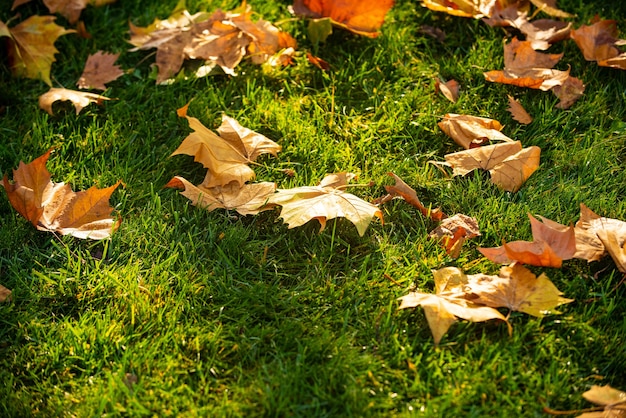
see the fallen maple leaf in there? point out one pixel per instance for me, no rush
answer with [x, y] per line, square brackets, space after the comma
[326, 201]
[404, 191]
[613, 401]
[541, 33]
[360, 17]
[79, 99]
[518, 112]
[466, 8]
[518, 289]
[449, 89]
[550, 246]
[453, 231]
[471, 131]
[598, 42]
[99, 69]
[612, 233]
[5, 294]
[55, 207]
[248, 199]
[509, 165]
[31, 46]
[448, 303]
[227, 156]
[220, 39]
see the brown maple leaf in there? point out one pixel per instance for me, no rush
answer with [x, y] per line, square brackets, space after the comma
[517, 289]
[360, 17]
[325, 201]
[541, 33]
[248, 199]
[99, 69]
[448, 303]
[472, 131]
[612, 233]
[31, 46]
[518, 112]
[79, 99]
[55, 207]
[404, 191]
[508, 164]
[220, 39]
[598, 42]
[226, 157]
[525, 67]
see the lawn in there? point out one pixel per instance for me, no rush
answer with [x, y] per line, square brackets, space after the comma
[186, 312]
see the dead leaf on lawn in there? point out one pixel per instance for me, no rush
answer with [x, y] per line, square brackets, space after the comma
[598, 42]
[99, 69]
[509, 165]
[404, 191]
[518, 112]
[248, 199]
[31, 46]
[360, 17]
[449, 89]
[550, 246]
[227, 156]
[55, 207]
[517, 289]
[325, 201]
[5, 294]
[448, 303]
[453, 231]
[471, 131]
[79, 99]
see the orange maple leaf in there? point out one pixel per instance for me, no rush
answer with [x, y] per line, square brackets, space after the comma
[598, 42]
[55, 207]
[471, 131]
[31, 46]
[406, 192]
[360, 17]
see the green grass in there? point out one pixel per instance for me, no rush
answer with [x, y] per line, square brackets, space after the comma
[190, 313]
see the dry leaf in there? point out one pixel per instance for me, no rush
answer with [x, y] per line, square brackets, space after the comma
[509, 164]
[79, 99]
[452, 232]
[357, 16]
[541, 33]
[518, 112]
[466, 8]
[226, 158]
[598, 42]
[31, 46]
[70, 9]
[549, 7]
[518, 289]
[318, 62]
[55, 207]
[550, 246]
[404, 191]
[448, 303]
[612, 233]
[449, 89]
[248, 199]
[612, 399]
[469, 131]
[99, 69]
[5, 294]
[588, 245]
[326, 201]
[220, 39]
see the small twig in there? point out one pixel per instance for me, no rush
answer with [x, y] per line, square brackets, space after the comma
[388, 277]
